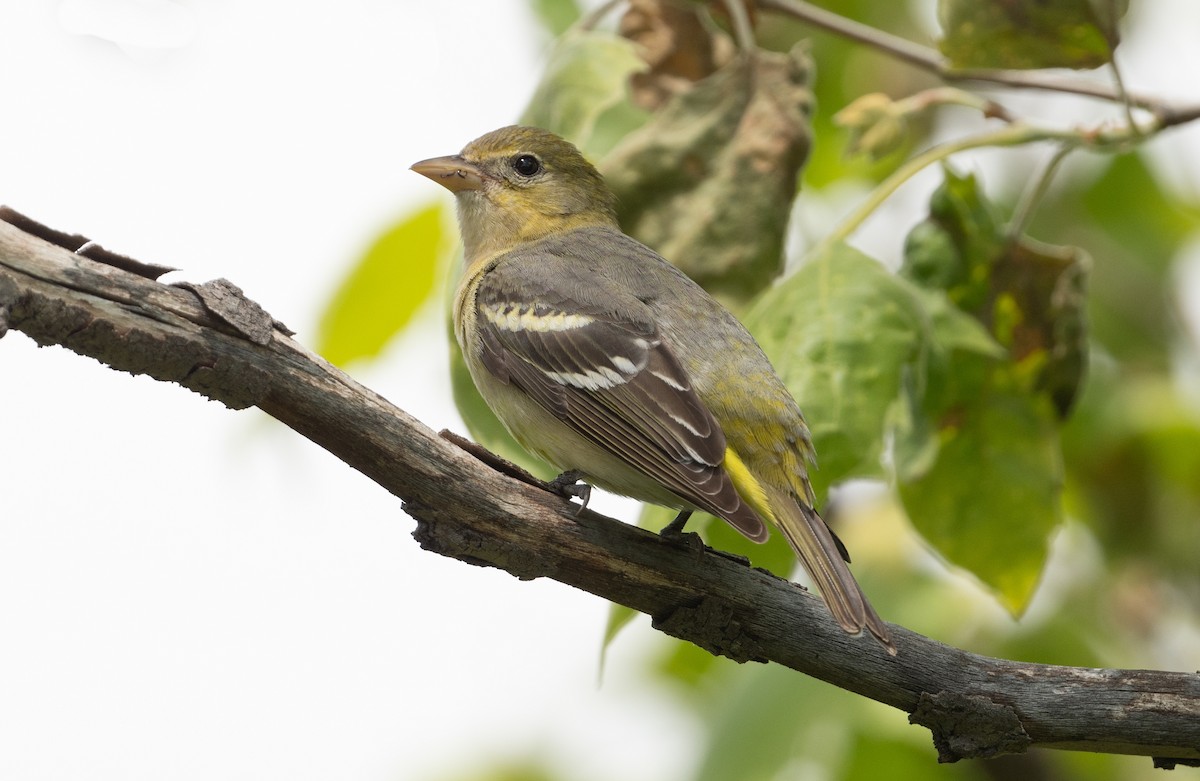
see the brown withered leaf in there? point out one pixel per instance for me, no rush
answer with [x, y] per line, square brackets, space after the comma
[679, 48]
[709, 180]
[1046, 288]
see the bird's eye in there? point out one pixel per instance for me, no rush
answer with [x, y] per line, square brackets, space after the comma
[526, 165]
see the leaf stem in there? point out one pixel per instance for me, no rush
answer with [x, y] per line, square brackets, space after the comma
[742, 29]
[944, 96]
[1033, 195]
[901, 48]
[1010, 135]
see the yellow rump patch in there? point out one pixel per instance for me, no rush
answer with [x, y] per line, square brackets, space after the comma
[747, 486]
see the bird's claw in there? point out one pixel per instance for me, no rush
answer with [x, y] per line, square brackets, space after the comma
[568, 485]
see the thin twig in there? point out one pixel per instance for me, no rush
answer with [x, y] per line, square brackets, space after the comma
[931, 60]
[1010, 135]
[1033, 195]
[944, 96]
[742, 30]
[1119, 84]
[900, 48]
[1013, 134]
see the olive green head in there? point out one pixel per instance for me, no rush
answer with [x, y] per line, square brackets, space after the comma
[518, 184]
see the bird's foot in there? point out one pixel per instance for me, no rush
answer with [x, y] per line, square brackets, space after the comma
[568, 485]
[674, 530]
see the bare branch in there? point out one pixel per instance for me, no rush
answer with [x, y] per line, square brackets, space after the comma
[231, 351]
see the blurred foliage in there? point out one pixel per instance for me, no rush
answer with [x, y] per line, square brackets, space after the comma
[528, 770]
[1119, 205]
[844, 72]
[556, 16]
[964, 379]
[385, 288]
[1133, 458]
[859, 345]
[1131, 448]
[990, 498]
[1026, 33]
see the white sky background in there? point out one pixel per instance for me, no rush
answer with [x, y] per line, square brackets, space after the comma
[191, 593]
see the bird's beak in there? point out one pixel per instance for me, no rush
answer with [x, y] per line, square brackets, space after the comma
[452, 172]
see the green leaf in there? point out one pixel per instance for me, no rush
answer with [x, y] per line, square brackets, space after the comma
[619, 617]
[904, 759]
[952, 250]
[1134, 453]
[688, 664]
[979, 461]
[556, 16]
[993, 495]
[1136, 211]
[953, 329]
[767, 717]
[1140, 227]
[1029, 295]
[584, 80]
[1040, 315]
[383, 291]
[1026, 34]
[852, 341]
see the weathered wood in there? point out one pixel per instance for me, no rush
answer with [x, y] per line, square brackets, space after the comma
[976, 706]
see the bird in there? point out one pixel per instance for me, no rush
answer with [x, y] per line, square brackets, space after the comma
[609, 363]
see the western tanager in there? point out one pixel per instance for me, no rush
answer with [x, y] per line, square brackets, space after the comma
[605, 360]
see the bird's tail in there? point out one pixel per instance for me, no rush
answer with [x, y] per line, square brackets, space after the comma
[822, 556]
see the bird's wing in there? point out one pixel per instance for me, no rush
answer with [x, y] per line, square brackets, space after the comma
[603, 368]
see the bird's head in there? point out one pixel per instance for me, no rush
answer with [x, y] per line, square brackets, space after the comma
[519, 184]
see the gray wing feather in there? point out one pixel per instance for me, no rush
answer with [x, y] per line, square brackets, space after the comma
[603, 368]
